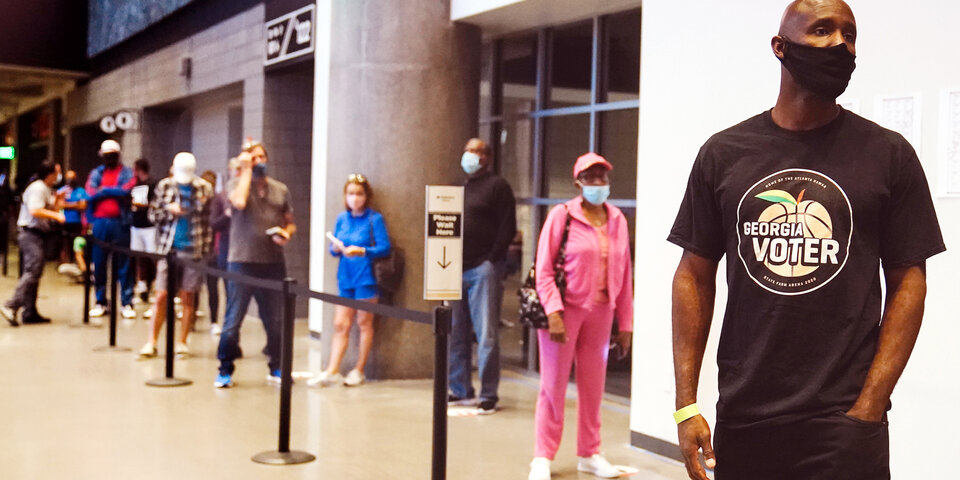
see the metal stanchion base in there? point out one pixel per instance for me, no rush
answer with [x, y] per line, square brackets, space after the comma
[283, 458]
[114, 348]
[168, 382]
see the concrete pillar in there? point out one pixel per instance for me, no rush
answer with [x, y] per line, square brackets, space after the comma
[404, 93]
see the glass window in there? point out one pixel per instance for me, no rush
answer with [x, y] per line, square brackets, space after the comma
[518, 69]
[622, 56]
[570, 65]
[486, 81]
[618, 144]
[565, 138]
[516, 156]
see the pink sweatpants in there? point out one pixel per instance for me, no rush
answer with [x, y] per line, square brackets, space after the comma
[588, 342]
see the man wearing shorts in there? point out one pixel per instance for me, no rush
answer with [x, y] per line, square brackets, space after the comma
[807, 201]
[181, 212]
[143, 234]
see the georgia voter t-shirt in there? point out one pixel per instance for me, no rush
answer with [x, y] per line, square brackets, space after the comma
[805, 220]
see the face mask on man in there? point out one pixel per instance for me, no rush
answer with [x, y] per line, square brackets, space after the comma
[595, 194]
[470, 162]
[825, 71]
[260, 170]
[111, 159]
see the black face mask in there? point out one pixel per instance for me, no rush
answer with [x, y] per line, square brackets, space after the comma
[824, 71]
[111, 159]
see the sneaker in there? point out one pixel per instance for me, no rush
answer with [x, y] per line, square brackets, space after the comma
[455, 401]
[598, 466]
[128, 312]
[69, 269]
[223, 381]
[9, 314]
[487, 407]
[273, 378]
[181, 350]
[539, 469]
[176, 300]
[148, 313]
[354, 378]
[141, 287]
[149, 350]
[34, 319]
[215, 329]
[98, 311]
[325, 379]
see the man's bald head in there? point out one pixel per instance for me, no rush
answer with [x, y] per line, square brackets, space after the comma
[803, 17]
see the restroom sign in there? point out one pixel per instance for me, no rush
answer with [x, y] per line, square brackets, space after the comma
[290, 35]
[443, 258]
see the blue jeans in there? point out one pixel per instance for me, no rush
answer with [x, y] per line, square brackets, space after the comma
[477, 314]
[112, 230]
[269, 303]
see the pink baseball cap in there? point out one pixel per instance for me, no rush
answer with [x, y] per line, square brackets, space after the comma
[588, 160]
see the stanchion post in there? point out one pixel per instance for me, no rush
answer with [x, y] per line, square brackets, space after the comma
[441, 329]
[86, 280]
[168, 380]
[112, 302]
[283, 455]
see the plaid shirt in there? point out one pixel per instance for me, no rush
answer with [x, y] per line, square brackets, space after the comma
[201, 235]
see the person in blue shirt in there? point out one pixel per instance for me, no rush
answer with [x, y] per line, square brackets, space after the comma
[361, 237]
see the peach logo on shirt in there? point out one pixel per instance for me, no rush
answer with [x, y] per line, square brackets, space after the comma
[789, 244]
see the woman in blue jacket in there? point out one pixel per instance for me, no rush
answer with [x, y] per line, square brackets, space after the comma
[361, 237]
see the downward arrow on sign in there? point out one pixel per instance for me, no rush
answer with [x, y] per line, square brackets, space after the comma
[444, 264]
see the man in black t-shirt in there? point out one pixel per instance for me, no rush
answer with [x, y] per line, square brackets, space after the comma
[807, 201]
[143, 233]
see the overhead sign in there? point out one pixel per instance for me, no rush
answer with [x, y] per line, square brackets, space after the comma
[443, 252]
[291, 35]
[127, 120]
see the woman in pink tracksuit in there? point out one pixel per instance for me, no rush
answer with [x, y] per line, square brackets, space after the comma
[599, 289]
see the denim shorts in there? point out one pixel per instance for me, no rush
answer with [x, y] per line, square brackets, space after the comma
[363, 292]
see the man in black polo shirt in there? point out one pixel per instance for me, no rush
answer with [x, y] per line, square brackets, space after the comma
[489, 224]
[807, 201]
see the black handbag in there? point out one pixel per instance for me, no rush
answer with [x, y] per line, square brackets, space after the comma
[388, 271]
[531, 310]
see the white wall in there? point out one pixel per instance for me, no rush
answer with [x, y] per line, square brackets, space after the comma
[708, 65]
[318, 170]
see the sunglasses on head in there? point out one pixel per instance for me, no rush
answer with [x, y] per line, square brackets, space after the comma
[356, 178]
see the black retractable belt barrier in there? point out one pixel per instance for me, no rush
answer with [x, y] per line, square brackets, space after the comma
[283, 455]
[87, 286]
[112, 281]
[441, 330]
[168, 380]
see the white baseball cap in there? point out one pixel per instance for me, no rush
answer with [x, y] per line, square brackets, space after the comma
[184, 167]
[109, 146]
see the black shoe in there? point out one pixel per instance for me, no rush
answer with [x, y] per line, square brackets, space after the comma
[487, 407]
[455, 401]
[10, 315]
[35, 319]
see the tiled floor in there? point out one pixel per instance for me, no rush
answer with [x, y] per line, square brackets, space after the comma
[72, 413]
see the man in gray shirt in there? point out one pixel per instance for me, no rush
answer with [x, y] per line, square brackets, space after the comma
[261, 224]
[39, 207]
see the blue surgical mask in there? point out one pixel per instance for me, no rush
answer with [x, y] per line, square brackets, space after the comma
[260, 170]
[596, 194]
[470, 162]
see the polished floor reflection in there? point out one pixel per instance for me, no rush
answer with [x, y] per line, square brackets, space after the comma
[73, 413]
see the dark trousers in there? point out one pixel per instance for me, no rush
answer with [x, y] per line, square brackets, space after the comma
[833, 446]
[112, 230]
[32, 258]
[269, 304]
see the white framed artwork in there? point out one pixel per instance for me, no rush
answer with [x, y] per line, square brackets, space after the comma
[902, 114]
[949, 144]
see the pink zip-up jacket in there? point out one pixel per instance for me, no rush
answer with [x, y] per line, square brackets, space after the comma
[583, 261]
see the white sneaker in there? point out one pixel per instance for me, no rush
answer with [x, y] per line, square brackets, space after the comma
[128, 312]
[176, 300]
[354, 378]
[140, 287]
[149, 350]
[325, 379]
[98, 311]
[598, 466]
[181, 349]
[216, 329]
[69, 269]
[539, 469]
[148, 313]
